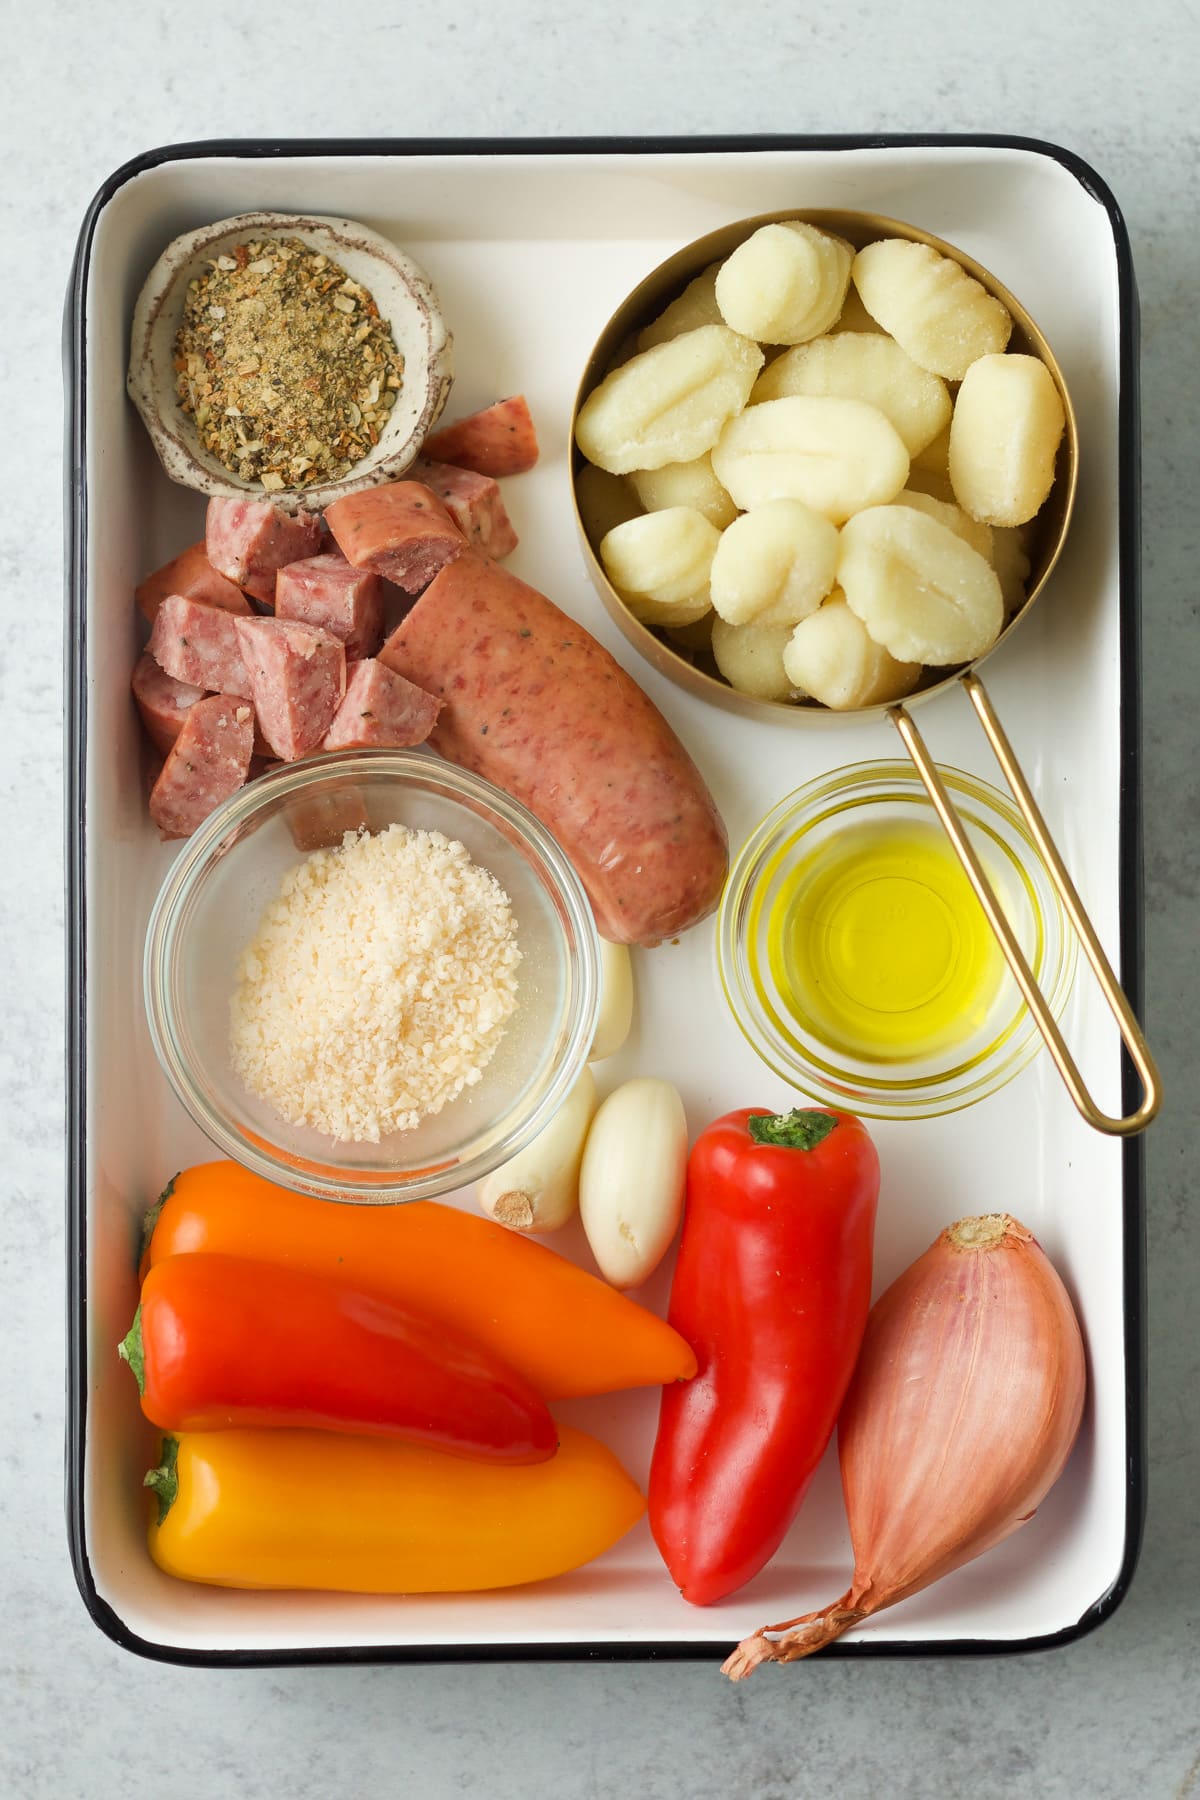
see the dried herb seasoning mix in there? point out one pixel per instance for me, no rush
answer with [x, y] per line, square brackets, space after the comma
[285, 364]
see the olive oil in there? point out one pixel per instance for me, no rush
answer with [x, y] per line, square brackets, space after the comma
[878, 946]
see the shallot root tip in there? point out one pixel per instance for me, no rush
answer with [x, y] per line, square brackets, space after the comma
[810, 1633]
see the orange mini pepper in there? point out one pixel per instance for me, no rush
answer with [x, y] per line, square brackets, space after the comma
[311, 1509]
[565, 1331]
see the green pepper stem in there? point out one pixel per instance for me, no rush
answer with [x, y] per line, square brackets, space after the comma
[791, 1131]
[164, 1480]
[132, 1350]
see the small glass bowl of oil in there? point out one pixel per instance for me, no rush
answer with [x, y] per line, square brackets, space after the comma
[857, 959]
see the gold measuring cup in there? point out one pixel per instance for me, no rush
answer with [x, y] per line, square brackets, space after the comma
[617, 342]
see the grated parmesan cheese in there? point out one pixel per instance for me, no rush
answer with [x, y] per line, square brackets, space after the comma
[377, 986]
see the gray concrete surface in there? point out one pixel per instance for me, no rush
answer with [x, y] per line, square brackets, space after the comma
[87, 86]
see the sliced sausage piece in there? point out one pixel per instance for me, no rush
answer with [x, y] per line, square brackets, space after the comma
[535, 704]
[199, 644]
[474, 503]
[208, 761]
[401, 530]
[381, 710]
[162, 701]
[251, 540]
[500, 440]
[191, 574]
[297, 678]
[328, 592]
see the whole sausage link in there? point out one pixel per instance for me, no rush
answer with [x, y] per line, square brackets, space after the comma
[533, 703]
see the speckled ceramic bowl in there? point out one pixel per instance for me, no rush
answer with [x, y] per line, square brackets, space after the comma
[404, 295]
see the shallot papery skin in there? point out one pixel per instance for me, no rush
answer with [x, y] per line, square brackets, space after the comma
[963, 1409]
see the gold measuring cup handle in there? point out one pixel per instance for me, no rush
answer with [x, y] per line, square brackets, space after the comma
[1118, 1005]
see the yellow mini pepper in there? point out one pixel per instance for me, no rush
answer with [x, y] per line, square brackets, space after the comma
[314, 1509]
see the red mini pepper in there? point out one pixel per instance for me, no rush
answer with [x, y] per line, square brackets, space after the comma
[224, 1341]
[772, 1290]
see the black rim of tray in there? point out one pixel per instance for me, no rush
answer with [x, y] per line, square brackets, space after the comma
[75, 726]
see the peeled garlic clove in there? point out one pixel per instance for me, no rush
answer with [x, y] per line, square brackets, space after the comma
[631, 1183]
[538, 1189]
[616, 1000]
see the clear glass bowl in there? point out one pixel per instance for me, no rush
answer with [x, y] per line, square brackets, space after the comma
[210, 906]
[986, 1044]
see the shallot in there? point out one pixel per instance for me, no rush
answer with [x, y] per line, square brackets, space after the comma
[964, 1406]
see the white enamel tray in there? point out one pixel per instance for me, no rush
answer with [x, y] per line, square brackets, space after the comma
[531, 245]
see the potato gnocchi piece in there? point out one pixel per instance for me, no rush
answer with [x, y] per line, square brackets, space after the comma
[660, 564]
[831, 656]
[685, 484]
[836, 455]
[941, 315]
[785, 284]
[668, 404]
[859, 365]
[775, 565]
[1008, 423]
[604, 501]
[750, 657]
[854, 315]
[696, 306]
[960, 523]
[921, 592]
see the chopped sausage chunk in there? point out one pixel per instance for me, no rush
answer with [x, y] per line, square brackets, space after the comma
[297, 678]
[401, 530]
[208, 762]
[381, 710]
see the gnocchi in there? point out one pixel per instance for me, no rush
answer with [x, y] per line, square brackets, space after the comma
[921, 592]
[1008, 423]
[785, 284]
[854, 315]
[685, 484]
[660, 564]
[774, 565]
[836, 455]
[697, 305]
[668, 404]
[941, 315]
[857, 365]
[795, 388]
[961, 524]
[750, 657]
[831, 656]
